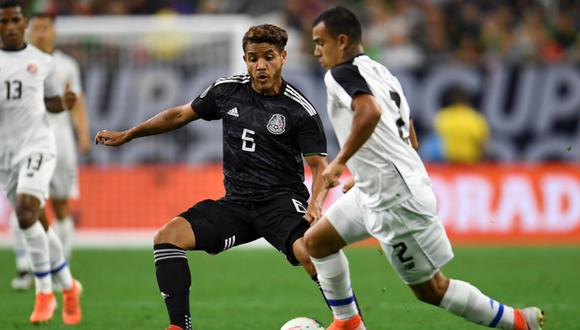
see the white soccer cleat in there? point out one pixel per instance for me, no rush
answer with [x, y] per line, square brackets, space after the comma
[22, 282]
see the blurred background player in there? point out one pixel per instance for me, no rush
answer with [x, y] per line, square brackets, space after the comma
[462, 129]
[268, 127]
[64, 182]
[392, 199]
[28, 158]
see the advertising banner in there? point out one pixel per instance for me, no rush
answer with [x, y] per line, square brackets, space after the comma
[506, 204]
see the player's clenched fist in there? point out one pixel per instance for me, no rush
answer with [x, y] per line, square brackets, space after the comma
[111, 138]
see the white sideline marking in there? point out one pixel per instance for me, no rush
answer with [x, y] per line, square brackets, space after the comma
[119, 238]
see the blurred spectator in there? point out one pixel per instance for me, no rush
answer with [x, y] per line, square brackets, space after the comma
[496, 36]
[463, 131]
[401, 33]
[432, 34]
[390, 33]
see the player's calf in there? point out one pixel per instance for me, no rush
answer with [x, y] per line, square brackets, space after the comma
[172, 270]
[432, 291]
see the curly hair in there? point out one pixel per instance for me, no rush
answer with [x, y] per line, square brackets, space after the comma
[266, 33]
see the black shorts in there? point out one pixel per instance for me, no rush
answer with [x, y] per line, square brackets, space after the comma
[220, 225]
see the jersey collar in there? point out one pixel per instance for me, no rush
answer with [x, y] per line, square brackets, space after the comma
[16, 50]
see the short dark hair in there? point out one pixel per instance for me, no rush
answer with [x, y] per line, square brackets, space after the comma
[51, 17]
[10, 4]
[267, 33]
[339, 20]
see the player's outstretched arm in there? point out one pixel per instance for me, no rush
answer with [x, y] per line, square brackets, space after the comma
[165, 121]
[317, 164]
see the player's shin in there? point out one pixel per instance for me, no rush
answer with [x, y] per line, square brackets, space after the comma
[58, 264]
[22, 259]
[334, 279]
[64, 229]
[174, 280]
[465, 300]
[37, 246]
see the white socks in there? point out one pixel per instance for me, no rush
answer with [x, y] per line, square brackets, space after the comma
[334, 278]
[58, 264]
[64, 229]
[465, 300]
[23, 263]
[37, 246]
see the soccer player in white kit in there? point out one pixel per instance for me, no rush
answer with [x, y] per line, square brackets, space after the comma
[392, 199]
[64, 182]
[28, 158]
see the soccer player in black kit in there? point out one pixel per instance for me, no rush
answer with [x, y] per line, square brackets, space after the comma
[268, 126]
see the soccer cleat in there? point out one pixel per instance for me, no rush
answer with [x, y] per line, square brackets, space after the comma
[174, 327]
[71, 299]
[530, 318]
[22, 282]
[44, 308]
[354, 323]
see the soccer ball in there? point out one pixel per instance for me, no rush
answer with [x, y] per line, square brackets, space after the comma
[302, 323]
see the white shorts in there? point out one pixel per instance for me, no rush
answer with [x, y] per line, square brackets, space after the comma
[31, 177]
[410, 233]
[64, 182]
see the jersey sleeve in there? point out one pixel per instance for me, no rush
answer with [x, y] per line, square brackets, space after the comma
[311, 138]
[50, 82]
[205, 105]
[350, 79]
[75, 78]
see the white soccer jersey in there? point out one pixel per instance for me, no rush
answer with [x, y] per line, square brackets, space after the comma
[26, 78]
[64, 183]
[387, 170]
[67, 72]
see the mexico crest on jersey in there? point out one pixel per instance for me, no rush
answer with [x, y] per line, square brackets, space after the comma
[277, 124]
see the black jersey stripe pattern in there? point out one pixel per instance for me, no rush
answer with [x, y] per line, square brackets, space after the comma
[240, 79]
[293, 94]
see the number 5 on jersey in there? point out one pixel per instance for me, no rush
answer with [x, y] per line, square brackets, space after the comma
[248, 143]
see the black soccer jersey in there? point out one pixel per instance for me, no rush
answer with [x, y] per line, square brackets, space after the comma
[264, 137]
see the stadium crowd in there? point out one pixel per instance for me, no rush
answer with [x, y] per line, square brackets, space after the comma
[400, 33]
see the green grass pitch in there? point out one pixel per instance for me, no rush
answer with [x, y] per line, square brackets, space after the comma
[258, 290]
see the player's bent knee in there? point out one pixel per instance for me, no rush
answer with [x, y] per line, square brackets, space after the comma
[312, 244]
[301, 253]
[177, 232]
[27, 215]
[303, 257]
